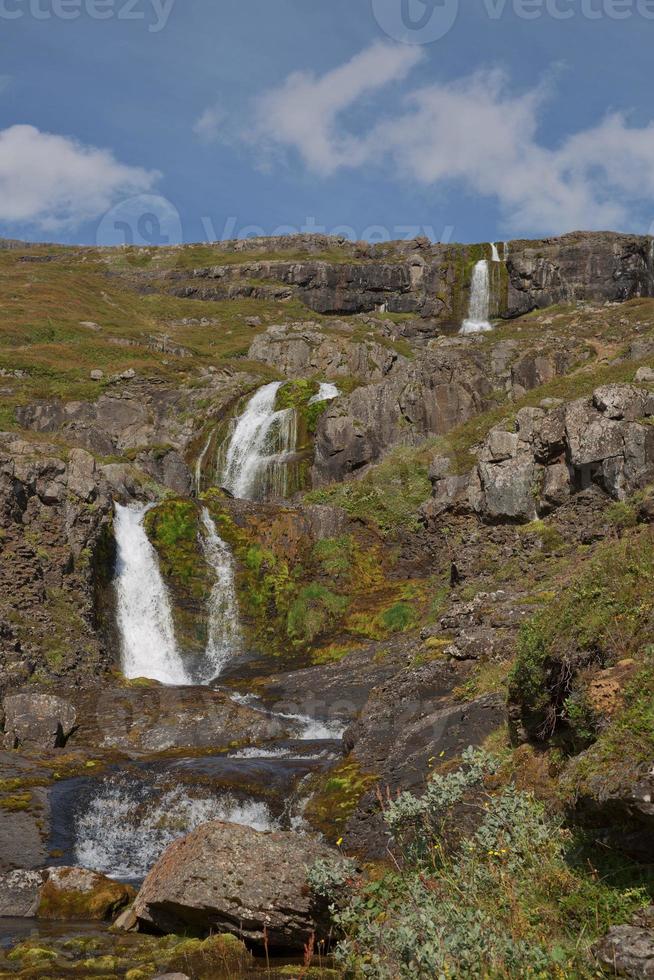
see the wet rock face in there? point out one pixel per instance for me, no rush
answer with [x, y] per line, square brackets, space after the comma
[228, 878]
[433, 281]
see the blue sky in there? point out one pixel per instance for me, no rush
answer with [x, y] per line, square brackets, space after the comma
[202, 119]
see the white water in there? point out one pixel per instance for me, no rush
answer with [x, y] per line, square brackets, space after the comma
[199, 466]
[326, 393]
[261, 441]
[224, 627]
[495, 256]
[144, 614]
[479, 310]
[124, 829]
[309, 729]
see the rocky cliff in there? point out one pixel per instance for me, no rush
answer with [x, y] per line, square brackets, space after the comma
[465, 558]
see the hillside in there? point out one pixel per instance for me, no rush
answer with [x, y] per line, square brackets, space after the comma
[278, 546]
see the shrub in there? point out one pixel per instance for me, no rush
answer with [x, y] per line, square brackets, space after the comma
[503, 902]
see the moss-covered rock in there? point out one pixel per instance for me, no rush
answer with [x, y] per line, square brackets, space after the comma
[74, 894]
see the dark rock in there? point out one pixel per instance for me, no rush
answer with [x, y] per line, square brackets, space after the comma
[229, 878]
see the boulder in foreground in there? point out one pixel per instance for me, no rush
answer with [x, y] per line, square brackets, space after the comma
[228, 878]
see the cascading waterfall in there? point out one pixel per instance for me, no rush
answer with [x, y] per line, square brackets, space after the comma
[256, 463]
[199, 466]
[495, 255]
[261, 438]
[224, 628]
[479, 310]
[144, 615]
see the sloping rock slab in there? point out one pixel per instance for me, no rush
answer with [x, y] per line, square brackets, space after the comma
[228, 878]
[628, 951]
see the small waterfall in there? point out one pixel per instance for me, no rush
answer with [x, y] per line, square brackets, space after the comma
[260, 444]
[199, 466]
[224, 629]
[144, 614]
[495, 255]
[326, 393]
[126, 825]
[480, 298]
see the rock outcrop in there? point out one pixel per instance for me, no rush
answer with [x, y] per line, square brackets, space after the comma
[228, 878]
[40, 721]
[303, 350]
[429, 280]
[604, 441]
[628, 950]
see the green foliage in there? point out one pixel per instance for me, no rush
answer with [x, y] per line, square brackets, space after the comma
[389, 495]
[173, 529]
[313, 611]
[622, 515]
[605, 614]
[398, 617]
[503, 902]
[334, 555]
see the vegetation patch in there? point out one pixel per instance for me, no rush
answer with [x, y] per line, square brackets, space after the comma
[336, 795]
[507, 900]
[603, 615]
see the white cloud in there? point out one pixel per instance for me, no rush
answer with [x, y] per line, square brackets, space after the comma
[303, 112]
[475, 131]
[208, 125]
[54, 182]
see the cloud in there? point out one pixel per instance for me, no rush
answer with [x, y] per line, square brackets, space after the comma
[208, 125]
[54, 182]
[475, 131]
[303, 112]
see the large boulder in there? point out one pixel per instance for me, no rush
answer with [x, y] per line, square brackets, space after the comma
[228, 878]
[41, 721]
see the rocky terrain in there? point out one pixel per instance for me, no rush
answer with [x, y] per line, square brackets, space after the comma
[441, 541]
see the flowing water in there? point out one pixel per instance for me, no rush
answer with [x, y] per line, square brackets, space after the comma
[224, 627]
[126, 824]
[326, 393]
[260, 444]
[495, 255]
[144, 614]
[480, 298]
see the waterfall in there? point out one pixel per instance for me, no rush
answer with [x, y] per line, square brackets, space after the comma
[480, 297]
[199, 466]
[326, 393]
[125, 826]
[495, 255]
[224, 629]
[144, 614]
[259, 446]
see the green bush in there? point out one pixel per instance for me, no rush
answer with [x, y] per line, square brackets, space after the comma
[503, 902]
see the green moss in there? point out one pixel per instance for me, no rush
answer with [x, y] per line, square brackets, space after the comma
[173, 528]
[389, 495]
[313, 612]
[335, 796]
